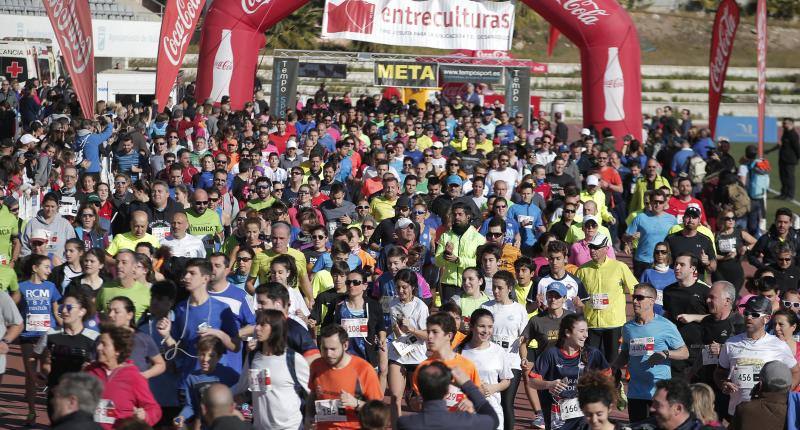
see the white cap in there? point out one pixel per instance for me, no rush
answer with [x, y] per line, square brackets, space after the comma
[585, 132]
[588, 218]
[39, 234]
[599, 240]
[403, 223]
[592, 180]
[27, 139]
[291, 144]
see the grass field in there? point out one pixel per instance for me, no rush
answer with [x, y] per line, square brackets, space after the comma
[737, 150]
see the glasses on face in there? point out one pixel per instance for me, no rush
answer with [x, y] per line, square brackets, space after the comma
[453, 164]
[500, 206]
[243, 259]
[221, 161]
[569, 211]
[640, 297]
[660, 252]
[277, 190]
[125, 183]
[788, 304]
[318, 237]
[262, 187]
[201, 202]
[66, 307]
[418, 212]
[368, 227]
[494, 235]
[296, 173]
[785, 259]
[751, 314]
[362, 207]
[428, 155]
[728, 218]
[302, 192]
[173, 138]
[241, 219]
[353, 282]
[213, 199]
[657, 202]
[87, 215]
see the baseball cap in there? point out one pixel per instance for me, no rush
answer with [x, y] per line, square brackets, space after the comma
[93, 198]
[758, 304]
[599, 241]
[403, 202]
[437, 145]
[591, 218]
[27, 139]
[454, 179]
[592, 180]
[563, 148]
[39, 234]
[488, 112]
[10, 201]
[558, 287]
[775, 376]
[403, 223]
[585, 132]
[692, 211]
[291, 144]
[723, 139]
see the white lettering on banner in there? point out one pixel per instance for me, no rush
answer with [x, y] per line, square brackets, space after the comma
[176, 40]
[65, 16]
[586, 11]
[515, 86]
[728, 23]
[251, 6]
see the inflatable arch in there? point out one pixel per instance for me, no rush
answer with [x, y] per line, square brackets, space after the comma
[233, 33]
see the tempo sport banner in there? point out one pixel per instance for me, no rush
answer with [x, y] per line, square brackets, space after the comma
[518, 93]
[72, 24]
[441, 24]
[177, 26]
[284, 86]
[464, 74]
[722, 36]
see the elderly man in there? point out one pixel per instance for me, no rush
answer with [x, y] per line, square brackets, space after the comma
[204, 223]
[280, 233]
[137, 235]
[181, 243]
[769, 406]
[219, 409]
[74, 401]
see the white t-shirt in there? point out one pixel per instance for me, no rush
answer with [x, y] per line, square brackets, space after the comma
[297, 303]
[275, 406]
[509, 324]
[508, 175]
[570, 281]
[190, 246]
[493, 366]
[417, 313]
[744, 358]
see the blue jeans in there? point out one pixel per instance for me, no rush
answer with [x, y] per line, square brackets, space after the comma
[757, 213]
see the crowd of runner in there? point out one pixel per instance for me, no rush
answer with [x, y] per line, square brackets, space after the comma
[209, 265]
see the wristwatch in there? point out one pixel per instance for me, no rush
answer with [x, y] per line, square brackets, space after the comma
[5, 341]
[666, 352]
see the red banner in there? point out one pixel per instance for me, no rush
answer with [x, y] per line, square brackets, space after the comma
[761, 31]
[552, 40]
[72, 24]
[177, 26]
[722, 36]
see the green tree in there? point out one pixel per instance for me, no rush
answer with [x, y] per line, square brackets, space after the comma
[300, 30]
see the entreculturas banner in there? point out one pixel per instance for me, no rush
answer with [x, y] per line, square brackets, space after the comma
[441, 24]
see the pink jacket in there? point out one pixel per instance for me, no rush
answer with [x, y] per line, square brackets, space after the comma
[128, 389]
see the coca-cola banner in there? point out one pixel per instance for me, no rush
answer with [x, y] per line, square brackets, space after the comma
[610, 60]
[761, 51]
[441, 24]
[284, 86]
[722, 36]
[518, 92]
[72, 24]
[177, 26]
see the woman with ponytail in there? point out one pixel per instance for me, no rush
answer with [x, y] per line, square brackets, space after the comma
[558, 370]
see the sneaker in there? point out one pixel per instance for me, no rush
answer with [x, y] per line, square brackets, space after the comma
[538, 421]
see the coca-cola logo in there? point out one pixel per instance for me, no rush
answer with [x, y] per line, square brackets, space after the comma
[251, 6]
[76, 44]
[587, 11]
[614, 83]
[174, 42]
[224, 65]
[727, 30]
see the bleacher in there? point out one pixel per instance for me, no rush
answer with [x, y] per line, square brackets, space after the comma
[101, 9]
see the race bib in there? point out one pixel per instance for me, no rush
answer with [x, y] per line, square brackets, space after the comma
[260, 380]
[105, 412]
[745, 376]
[38, 322]
[355, 327]
[660, 297]
[332, 226]
[709, 358]
[727, 245]
[403, 347]
[161, 233]
[503, 341]
[522, 219]
[569, 409]
[600, 301]
[329, 411]
[642, 346]
[454, 397]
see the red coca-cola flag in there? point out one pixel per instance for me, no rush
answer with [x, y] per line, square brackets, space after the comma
[552, 40]
[722, 36]
[72, 24]
[761, 32]
[177, 26]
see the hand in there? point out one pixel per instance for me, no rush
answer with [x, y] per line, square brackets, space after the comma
[164, 326]
[448, 248]
[713, 348]
[252, 344]
[3, 348]
[613, 221]
[657, 358]
[465, 406]
[729, 387]
[682, 318]
[448, 256]
[485, 390]
[577, 302]
[541, 299]
[348, 400]
[704, 257]
[345, 220]
[525, 364]
[179, 421]
[140, 413]
[636, 235]
[557, 386]
[459, 377]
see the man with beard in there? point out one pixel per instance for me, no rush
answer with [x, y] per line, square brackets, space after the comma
[453, 193]
[339, 384]
[689, 240]
[763, 252]
[457, 250]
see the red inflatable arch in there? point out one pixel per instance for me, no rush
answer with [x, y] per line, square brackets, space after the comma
[233, 34]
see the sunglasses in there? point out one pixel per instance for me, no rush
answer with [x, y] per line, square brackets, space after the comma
[658, 202]
[244, 259]
[660, 251]
[67, 307]
[201, 202]
[362, 207]
[494, 235]
[640, 297]
[785, 259]
[569, 211]
[87, 215]
[595, 247]
[296, 173]
[353, 282]
[277, 190]
[751, 314]
[788, 304]
[728, 218]
[500, 206]
[213, 199]
[368, 227]
[420, 212]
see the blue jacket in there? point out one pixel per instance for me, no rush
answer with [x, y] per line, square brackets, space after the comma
[435, 415]
[89, 144]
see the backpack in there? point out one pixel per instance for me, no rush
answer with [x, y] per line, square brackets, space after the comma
[739, 199]
[697, 169]
[758, 179]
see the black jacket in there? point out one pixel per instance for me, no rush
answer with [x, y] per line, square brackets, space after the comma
[790, 148]
[435, 415]
[77, 421]
[375, 324]
[766, 245]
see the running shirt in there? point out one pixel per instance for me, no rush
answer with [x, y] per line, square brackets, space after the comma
[408, 349]
[744, 357]
[213, 313]
[36, 308]
[455, 395]
[640, 341]
[494, 365]
[563, 412]
[205, 226]
[509, 326]
[327, 383]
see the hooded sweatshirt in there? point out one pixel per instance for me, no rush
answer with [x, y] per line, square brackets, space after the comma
[58, 232]
[128, 389]
[88, 144]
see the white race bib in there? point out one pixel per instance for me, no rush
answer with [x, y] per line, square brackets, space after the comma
[642, 346]
[161, 233]
[600, 301]
[355, 327]
[660, 297]
[105, 412]
[38, 322]
[454, 397]
[709, 358]
[503, 341]
[403, 347]
[744, 376]
[522, 219]
[727, 245]
[570, 409]
[329, 411]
